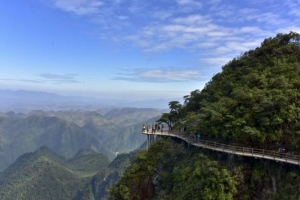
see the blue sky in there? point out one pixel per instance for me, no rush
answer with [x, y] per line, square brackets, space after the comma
[131, 49]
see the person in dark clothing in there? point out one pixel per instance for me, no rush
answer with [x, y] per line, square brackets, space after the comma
[281, 151]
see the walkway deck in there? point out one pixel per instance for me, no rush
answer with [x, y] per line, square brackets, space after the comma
[236, 150]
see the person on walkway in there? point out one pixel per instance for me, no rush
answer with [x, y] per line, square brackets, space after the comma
[144, 128]
[153, 129]
[156, 127]
[162, 127]
[281, 152]
[170, 128]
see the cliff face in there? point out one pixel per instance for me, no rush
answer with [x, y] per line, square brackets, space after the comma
[173, 170]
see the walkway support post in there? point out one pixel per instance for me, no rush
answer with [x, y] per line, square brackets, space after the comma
[147, 142]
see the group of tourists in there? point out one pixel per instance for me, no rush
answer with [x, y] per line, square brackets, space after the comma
[154, 128]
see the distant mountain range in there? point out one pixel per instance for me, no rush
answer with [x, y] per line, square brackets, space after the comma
[25, 101]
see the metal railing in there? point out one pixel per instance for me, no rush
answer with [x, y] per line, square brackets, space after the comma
[237, 150]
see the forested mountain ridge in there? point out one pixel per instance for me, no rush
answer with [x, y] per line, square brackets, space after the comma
[254, 102]
[28, 134]
[99, 185]
[129, 138]
[45, 175]
[100, 124]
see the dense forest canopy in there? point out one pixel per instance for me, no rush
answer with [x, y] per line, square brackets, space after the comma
[253, 101]
[171, 171]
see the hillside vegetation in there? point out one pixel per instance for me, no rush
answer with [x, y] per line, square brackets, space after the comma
[45, 175]
[254, 100]
[170, 170]
[99, 185]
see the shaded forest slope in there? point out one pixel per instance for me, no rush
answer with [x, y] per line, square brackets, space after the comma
[171, 169]
[45, 175]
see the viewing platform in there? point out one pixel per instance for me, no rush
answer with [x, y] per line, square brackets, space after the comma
[231, 149]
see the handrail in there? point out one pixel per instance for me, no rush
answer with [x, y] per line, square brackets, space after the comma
[237, 150]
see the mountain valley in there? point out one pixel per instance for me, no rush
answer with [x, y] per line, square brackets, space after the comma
[66, 132]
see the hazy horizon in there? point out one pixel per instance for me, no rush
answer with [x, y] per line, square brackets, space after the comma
[26, 101]
[89, 97]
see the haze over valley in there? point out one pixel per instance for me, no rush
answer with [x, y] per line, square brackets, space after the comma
[26, 101]
[67, 131]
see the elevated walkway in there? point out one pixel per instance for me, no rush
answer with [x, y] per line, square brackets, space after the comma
[236, 150]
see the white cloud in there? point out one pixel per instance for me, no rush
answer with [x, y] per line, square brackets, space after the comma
[219, 61]
[294, 8]
[189, 3]
[192, 20]
[162, 75]
[162, 14]
[59, 79]
[50, 78]
[122, 17]
[79, 7]
[287, 29]
[182, 32]
[248, 11]
[270, 18]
